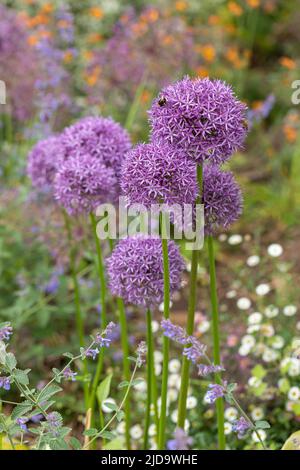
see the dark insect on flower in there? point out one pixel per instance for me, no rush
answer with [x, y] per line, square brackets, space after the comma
[162, 101]
[245, 124]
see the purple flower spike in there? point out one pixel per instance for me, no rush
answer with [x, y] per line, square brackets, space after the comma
[93, 353]
[241, 426]
[201, 116]
[181, 441]
[5, 383]
[22, 423]
[204, 370]
[158, 173]
[104, 339]
[216, 391]
[5, 332]
[69, 374]
[222, 199]
[135, 270]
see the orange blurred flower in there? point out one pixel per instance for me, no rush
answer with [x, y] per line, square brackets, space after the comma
[32, 40]
[96, 12]
[290, 133]
[235, 8]
[145, 96]
[181, 5]
[202, 72]
[253, 3]
[47, 8]
[94, 38]
[287, 62]
[213, 20]
[208, 52]
[68, 56]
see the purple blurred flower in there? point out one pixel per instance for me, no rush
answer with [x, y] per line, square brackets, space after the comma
[241, 426]
[193, 350]
[202, 116]
[222, 199]
[215, 391]
[104, 339]
[262, 112]
[5, 383]
[205, 369]
[181, 441]
[22, 423]
[135, 270]
[82, 183]
[174, 332]
[90, 352]
[158, 173]
[69, 374]
[5, 332]
[54, 421]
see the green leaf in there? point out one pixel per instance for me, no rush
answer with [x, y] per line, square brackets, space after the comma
[103, 389]
[115, 444]
[75, 443]
[108, 435]
[10, 361]
[262, 425]
[69, 355]
[90, 432]
[123, 384]
[21, 376]
[258, 371]
[120, 415]
[21, 409]
[111, 406]
[48, 392]
[231, 387]
[58, 444]
[2, 352]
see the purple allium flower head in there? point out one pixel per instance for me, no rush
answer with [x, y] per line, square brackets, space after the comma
[82, 183]
[241, 426]
[181, 441]
[222, 199]
[22, 423]
[206, 369]
[98, 137]
[158, 173]
[135, 270]
[69, 374]
[5, 332]
[104, 339]
[215, 391]
[42, 162]
[5, 383]
[202, 116]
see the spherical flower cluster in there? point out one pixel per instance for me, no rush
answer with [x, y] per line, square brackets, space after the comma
[157, 173]
[135, 270]
[222, 199]
[42, 162]
[202, 116]
[82, 183]
[98, 137]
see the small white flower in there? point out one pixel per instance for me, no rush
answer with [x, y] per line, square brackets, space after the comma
[235, 239]
[174, 366]
[155, 325]
[290, 310]
[295, 343]
[271, 311]
[277, 342]
[104, 406]
[152, 430]
[222, 237]
[174, 380]
[191, 402]
[262, 289]
[136, 431]
[254, 318]
[227, 428]
[269, 355]
[253, 329]
[140, 386]
[244, 350]
[158, 357]
[231, 413]
[267, 330]
[257, 414]
[243, 303]
[248, 340]
[231, 294]
[275, 250]
[161, 308]
[253, 260]
[254, 382]
[121, 427]
[262, 435]
[174, 416]
[294, 393]
[157, 369]
[172, 394]
[203, 326]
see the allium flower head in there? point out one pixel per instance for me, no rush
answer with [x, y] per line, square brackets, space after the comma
[202, 116]
[222, 199]
[135, 270]
[158, 173]
[42, 162]
[82, 183]
[98, 137]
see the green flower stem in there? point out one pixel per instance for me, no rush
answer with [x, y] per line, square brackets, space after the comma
[149, 376]
[166, 341]
[238, 406]
[216, 337]
[126, 366]
[185, 369]
[78, 314]
[101, 274]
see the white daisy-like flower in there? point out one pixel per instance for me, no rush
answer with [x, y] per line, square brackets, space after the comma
[235, 239]
[161, 308]
[277, 342]
[295, 343]
[253, 260]
[231, 413]
[136, 432]
[174, 380]
[254, 318]
[275, 250]
[270, 355]
[248, 340]
[267, 330]
[294, 367]
[172, 394]
[231, 294]
[121, 427]
[290, 310]
[244, 350]
[262, 434]
[222, 237]
[140, 386]
[254, 382]
[203, 326]
[253, 329]
[243, 303]
[174, 416]
[155, 325]
[271, 311]
[158, 357]
[152, 430]
[174, 366]
[191, 402]
[227, 428]
[262, 289]
[104, 406]
[257, 414]
[157, 369]
[294, 393]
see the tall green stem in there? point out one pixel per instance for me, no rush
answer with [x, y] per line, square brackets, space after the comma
[126, 366]
[164, 386]
[149, 377]
[185, 369]
[78, 314]
[216, 337]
